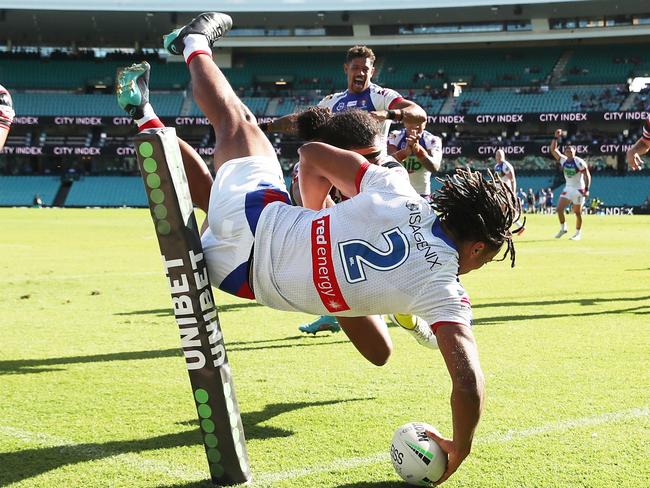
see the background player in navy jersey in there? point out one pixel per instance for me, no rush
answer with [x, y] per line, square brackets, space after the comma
[307, 259]
[419, 151]
[6, 115]
[576, 190]
[640, 147]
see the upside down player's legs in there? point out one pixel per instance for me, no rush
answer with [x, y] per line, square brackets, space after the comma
[235, 127]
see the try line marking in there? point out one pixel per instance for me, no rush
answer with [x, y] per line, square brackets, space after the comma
[138, 462]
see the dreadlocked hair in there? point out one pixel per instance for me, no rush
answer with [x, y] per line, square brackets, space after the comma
[476, 209]
[311, 121]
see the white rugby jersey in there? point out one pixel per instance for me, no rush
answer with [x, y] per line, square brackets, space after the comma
[419, 176]
[371, 99]
[573, 170]
[379, 252]
[646, 130]
[505, 172]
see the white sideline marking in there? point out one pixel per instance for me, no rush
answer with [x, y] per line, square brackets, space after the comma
[176, 471]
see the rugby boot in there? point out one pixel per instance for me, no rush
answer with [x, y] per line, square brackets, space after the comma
[133, 89]
[213, 25]
[321, 324]
[418, 328]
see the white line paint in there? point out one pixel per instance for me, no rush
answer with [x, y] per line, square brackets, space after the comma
[180, 472]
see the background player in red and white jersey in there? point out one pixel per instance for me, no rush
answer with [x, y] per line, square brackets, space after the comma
[640, 147]
[384, 249]
[506, 173]
[419, 151]
[6, 115]
[576, 190]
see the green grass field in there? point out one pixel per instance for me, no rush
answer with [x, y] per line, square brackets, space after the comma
[94, 390]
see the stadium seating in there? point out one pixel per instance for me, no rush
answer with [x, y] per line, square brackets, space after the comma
[70, 104]
[606, 64]
[20, 190]
[562, 99]
[107, 191]
[496, 67]
[618, 190]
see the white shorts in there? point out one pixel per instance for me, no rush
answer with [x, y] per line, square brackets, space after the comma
[241, 190]
[574, 195]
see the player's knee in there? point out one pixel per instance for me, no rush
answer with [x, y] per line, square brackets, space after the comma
[380, 355]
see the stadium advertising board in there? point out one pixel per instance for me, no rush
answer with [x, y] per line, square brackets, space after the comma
[479, 119]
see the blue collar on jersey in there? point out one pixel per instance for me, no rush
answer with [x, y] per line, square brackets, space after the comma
[439, 232]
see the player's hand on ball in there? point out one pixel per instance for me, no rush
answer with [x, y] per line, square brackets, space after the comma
[455, 455]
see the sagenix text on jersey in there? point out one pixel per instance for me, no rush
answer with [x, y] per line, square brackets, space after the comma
[422, 245]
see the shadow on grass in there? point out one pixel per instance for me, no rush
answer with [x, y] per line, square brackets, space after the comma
[30, 366]
[641, 310]
[163, 312]
[578, 301]
[27, 463]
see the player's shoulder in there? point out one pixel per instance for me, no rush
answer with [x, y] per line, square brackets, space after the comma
[331, 98]
[382, 91]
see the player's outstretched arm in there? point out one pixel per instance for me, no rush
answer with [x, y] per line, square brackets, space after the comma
[287, 124]
[323, 166]
[633, 155]
[458, 348]
[554, 150]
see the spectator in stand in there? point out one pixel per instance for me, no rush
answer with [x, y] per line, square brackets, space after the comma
[6, 115]
[549, 198]
[420, 152]
[640, 147]
[576, 190]
[541, 200]
[530, 200]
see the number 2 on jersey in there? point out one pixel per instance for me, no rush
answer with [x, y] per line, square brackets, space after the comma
[357, 254]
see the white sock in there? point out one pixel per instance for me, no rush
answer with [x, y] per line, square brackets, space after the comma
[563, 226]
[193, 43]
[577, 232]
[149, 114]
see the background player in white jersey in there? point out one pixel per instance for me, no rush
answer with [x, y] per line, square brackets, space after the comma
[6, 115]
[506, 173]
[384, 104]
[385, 249]
[640, 147]
[419, 151]
[576, 189]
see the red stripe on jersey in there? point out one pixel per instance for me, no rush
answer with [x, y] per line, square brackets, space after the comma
[646, 130]
[323, 267]
[362, 171]
[394, 102]
[437, 325]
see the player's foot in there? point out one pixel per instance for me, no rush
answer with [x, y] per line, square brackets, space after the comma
[418, 328]
[321, 324]
[560, 233]
[213, 25]
[133, 89]
[575, 237]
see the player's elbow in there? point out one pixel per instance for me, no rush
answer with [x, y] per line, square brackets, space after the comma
[380, 355]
